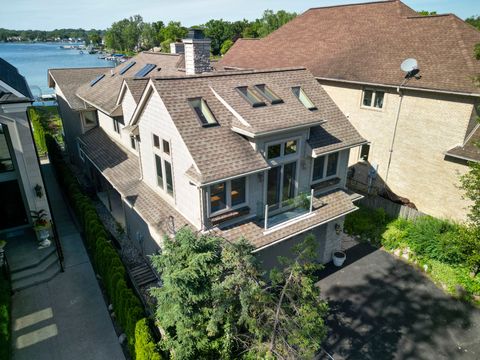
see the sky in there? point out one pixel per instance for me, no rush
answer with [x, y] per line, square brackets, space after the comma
[100, 14]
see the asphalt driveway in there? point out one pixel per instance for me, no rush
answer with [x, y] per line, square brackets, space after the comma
[382, 308]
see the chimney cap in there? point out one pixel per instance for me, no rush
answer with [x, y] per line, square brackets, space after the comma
[195, 33]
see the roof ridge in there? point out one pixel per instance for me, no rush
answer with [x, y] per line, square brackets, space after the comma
[429, 16]
[229, 73]
[354, 4]
[468, 57]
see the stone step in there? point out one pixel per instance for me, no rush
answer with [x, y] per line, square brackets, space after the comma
[32, 261]
[42, 266]
[38, 278]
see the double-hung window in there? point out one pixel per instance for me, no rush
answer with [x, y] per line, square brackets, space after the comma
[373, 98]
[227, 195]
[324, 167]
[163, 166]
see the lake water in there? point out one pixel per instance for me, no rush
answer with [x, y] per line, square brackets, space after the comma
[34, 59]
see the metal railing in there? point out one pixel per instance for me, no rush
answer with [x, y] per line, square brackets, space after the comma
[288, 210]
[58, 246]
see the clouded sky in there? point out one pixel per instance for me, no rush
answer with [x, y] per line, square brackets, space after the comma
[99, 14]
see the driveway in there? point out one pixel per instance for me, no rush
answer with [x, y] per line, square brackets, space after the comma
[382, 308]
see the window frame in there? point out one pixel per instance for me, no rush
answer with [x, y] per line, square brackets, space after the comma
[283, 158]
[313, 107]
[116, 126]
[154, 136]
[164, 158]
[325, 165]
[168, 145]
[268, 94]
[228, 197]
[360, 158]
[202, 102]
[84, 121]
[253, 93]
[374, 98]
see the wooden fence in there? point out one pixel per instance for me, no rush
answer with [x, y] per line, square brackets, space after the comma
[392, 209]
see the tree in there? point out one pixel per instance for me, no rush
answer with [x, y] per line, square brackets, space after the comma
[171, 33]
[227, 44]
[215, 301]
[218, 31]
[94, 38]
[124, 35]
[474, 21]
[426, 13]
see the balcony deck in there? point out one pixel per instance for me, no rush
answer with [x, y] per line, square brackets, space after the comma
[326, 207]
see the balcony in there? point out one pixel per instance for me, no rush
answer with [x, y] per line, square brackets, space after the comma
[288, 210]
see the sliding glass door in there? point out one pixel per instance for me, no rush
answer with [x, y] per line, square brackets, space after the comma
[281, 184]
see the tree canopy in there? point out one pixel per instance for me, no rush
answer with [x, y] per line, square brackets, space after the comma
[474, 21]
[216, 303]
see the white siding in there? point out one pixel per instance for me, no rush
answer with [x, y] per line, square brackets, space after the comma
[156, 120]
[106, 123]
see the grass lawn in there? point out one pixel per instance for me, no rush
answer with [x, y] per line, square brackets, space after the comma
[440, 248]
[5, 303]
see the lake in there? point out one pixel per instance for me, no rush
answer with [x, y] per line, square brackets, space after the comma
[34, 59]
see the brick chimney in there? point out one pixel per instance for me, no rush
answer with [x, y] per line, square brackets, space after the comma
[197, 52]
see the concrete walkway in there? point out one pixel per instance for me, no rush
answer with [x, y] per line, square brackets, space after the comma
[65, 318]
[382, 308]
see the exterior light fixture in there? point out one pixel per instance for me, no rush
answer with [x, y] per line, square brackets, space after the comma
[338, 229]
[38, 191]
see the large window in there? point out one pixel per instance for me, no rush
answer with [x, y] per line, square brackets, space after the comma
[6, 163]
[203, 112]
[282, 149]
[169, 177]
[373, 98]
[227, 195]
[164, 174]
[325, 167]
[158, 164]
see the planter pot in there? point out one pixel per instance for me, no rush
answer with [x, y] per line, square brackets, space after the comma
[339, 258]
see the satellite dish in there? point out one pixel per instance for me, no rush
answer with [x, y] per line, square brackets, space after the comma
[410, 67]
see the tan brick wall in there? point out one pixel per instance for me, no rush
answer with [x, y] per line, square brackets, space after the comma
[428, 126]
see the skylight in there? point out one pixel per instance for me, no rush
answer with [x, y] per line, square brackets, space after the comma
[250, 96]
[145, 70]
[127, 67]
[268, 94]
[303, 98]
[203, 112]
[97, 79]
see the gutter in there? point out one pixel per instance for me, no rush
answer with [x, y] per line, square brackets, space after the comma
[396, 86]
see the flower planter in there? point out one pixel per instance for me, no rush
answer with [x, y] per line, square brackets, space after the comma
[43, 234]
[338, 258]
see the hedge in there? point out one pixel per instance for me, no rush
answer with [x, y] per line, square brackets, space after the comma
[5, 318]
[105, 259]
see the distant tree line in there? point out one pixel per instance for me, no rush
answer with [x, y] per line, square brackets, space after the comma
[133, 34]
[88, 36]
[474, 21]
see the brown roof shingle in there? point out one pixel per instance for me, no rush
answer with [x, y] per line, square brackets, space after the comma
[367, 43]
[69, 80]
[470, 150]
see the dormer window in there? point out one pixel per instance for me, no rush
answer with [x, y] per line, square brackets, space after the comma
[268, 94]
[204, 114]
[250, 96]
[303, 98]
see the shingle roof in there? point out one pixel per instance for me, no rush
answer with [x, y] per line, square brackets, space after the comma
[10, 76]
[326, 207]
[136, 87]
[219, 152]
[333, 136]
[69, 80]
[366, 43]
[121, 168]
[104, 94]
[470, 150]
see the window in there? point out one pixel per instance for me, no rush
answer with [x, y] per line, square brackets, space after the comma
[282, 149]
[127, 67]
[156, 141]
[364, 151]
[6, 163]
[228, 195]
[203, 112]
[133, 144]
[373, 98]
[158, 163]
[324, 167]
[166, 147]
[145, 70]
[237, 192]
[169, 177]
[116, 126]
[268, 94]
[303, 98]
[250, 96]
[89, 119]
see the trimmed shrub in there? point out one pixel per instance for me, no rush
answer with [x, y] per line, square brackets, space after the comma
[5, 319]
[145, 346]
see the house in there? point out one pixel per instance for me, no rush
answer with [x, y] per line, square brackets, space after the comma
[22, 189]
[420, 132]
[235, 153]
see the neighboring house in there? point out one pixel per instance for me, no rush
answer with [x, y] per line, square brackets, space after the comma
[420, 135]
[236, 153]
[21, 185]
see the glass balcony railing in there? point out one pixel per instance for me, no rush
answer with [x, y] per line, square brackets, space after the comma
[288, 210]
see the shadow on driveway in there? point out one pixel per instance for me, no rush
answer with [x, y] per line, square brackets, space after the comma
[382, 308]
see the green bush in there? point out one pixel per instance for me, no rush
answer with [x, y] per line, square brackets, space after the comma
[5, 305]
[105, 258]
[366, 223]
[145, 346]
